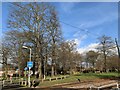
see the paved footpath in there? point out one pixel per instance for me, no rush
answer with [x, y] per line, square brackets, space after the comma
[85, 85]
[71, 86]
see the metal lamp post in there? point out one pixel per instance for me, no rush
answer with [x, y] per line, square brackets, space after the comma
[29, 67]
[117, 45]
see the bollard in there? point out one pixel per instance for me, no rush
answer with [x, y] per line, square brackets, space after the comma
[42, 80]
[50, 79]
[90, 88]
[11, 81]
[118, 86]
[98, 88]
[25, 83]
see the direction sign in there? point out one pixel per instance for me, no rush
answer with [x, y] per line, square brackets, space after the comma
[30, 64]
[25, 68]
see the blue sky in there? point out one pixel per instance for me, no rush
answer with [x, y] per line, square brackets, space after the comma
[93, 19]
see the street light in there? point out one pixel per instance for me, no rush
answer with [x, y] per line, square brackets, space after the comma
[29, 67]
[29, 49]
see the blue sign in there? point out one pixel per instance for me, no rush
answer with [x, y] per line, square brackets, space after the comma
[30, 64]
[25, 68]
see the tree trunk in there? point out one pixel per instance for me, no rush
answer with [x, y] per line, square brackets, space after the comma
[19, 57]
[6, 71]
[40, 70]
[5, 67]
[105, 62]
[52, 70]
[55, 71]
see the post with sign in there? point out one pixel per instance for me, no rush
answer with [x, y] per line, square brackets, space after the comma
[29, 65]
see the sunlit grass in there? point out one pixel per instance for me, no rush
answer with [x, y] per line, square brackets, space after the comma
[81, 76]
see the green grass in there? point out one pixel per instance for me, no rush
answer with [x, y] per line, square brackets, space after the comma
[101, 75]
[73, 78]
[82, 77]
[47, 77]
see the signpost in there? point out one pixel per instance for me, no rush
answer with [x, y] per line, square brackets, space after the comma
[118, 62]
[25, 68]
[29, 65]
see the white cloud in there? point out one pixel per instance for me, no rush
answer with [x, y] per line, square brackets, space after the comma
[79, 38]
[77, 41]
[80, 33]
[93, 47]
[101, 20]
[85, 49]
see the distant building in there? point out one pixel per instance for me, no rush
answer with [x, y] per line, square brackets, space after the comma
[86, 65]
[1, 73]
[10, 70]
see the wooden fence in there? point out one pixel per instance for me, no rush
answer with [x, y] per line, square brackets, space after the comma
[24, 82]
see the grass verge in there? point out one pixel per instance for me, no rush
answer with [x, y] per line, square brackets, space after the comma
[82, 77]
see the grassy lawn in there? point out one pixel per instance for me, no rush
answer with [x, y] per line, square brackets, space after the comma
[82, 77]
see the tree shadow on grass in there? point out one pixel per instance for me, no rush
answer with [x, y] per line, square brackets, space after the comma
[100, 75]
[107, 76]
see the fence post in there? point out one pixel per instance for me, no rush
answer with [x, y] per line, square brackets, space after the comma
[118, 86]
[98, 88]
[25, 83]
[50, 79]
[11, 81]
[22, 81]
[3, 82]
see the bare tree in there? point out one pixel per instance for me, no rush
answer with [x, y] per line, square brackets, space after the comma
[39, 24]
[69, 59]
[112, 62]
[55, 37]
[4, 62]
[92, 57]
[14, 40]
[105, 45]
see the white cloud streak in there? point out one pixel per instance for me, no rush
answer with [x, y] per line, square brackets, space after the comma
[85, 49]
[79, 37]
[100, 21]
